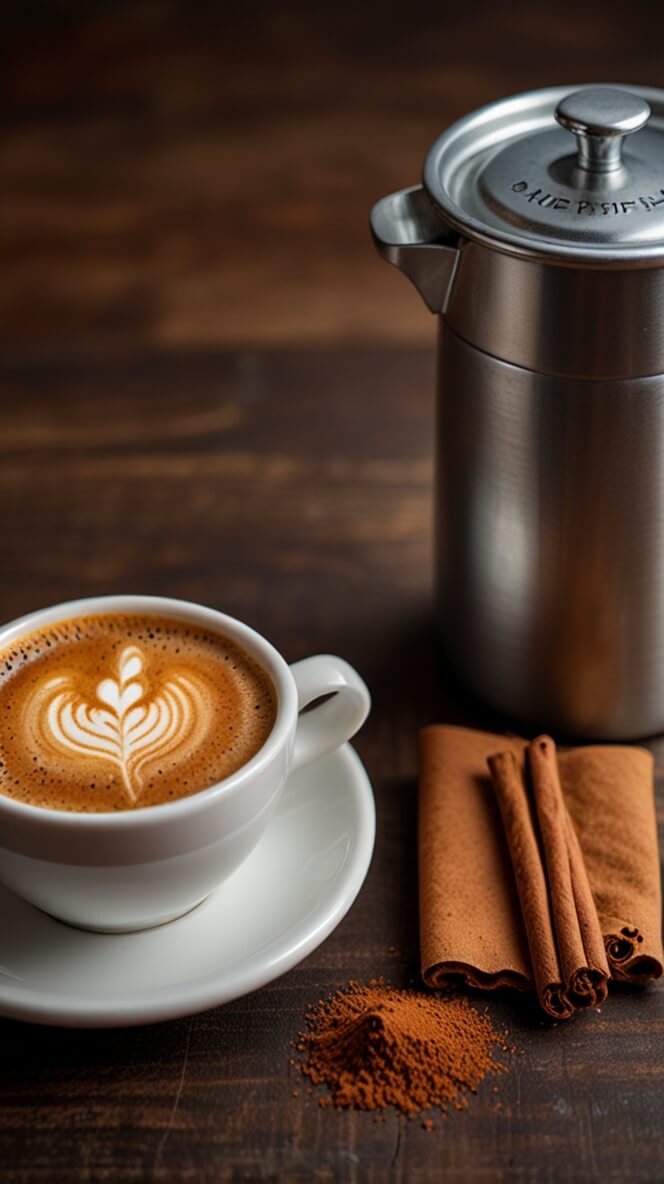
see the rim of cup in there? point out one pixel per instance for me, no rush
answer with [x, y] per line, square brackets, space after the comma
[184, 610]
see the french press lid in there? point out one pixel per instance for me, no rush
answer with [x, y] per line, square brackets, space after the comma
[576, 174]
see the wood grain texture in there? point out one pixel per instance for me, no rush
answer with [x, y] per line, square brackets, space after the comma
[191, 404]
[292, 489]
[203, 173]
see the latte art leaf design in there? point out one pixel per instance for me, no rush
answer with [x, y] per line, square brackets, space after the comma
[131, 728]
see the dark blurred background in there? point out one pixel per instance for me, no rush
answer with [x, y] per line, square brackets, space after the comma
[211, 387]
[187, 174]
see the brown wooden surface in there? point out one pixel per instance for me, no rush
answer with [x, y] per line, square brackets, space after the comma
[211, 388]
[193, 173]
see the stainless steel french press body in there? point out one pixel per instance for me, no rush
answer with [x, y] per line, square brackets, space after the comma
[544, 258]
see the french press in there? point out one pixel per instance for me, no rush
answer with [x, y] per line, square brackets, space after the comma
[537, 235]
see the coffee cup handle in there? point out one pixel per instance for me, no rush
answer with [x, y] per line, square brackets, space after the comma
[329, 724]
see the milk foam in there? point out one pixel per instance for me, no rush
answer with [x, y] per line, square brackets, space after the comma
[133, 726]
[111, 712]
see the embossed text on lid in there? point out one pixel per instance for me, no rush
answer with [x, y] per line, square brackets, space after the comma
[575, 173]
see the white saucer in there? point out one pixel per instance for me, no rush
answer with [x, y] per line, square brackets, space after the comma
[280, 904]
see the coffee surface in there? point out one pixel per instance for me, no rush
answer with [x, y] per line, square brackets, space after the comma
[106, 713]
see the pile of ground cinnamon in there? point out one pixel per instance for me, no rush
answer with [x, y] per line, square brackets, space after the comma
[375, 1046]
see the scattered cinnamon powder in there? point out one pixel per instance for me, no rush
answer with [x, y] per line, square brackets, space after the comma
[375, 1046]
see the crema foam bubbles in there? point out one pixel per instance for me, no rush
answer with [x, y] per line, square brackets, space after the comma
[111, 712]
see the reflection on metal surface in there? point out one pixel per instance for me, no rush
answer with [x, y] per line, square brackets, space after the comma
[550, 568]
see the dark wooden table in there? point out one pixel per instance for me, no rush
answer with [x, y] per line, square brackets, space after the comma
[210, 388]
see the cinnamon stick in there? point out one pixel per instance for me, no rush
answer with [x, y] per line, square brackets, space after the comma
[579, 940]
[512, 795]
[564, 935]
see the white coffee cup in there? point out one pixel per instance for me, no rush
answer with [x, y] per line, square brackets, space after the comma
[116, 872]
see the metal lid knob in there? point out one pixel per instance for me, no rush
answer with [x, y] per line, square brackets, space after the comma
[600, 119]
